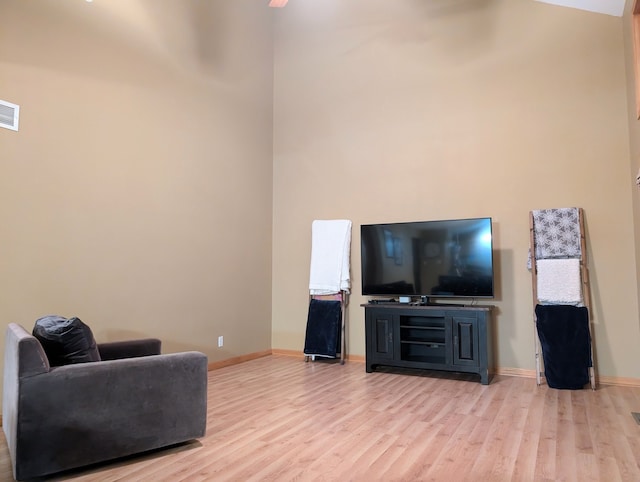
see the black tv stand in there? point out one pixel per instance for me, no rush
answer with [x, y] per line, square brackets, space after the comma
[429, 337]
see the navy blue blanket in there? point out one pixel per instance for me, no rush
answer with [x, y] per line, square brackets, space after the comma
[323, 328]
[566, 345]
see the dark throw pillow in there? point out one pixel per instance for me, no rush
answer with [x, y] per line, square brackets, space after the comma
[66, 340]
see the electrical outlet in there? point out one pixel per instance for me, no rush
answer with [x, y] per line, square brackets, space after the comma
[220, 341]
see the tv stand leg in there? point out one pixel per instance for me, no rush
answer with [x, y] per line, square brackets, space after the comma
[484, 376]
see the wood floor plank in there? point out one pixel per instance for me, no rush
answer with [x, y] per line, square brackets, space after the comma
[278, 418]
[530, 434]
[548, 440]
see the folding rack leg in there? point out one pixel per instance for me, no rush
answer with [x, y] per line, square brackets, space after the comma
[534, 288]
[343, 343]
[307, 357]
[538, 365]
[586, 292]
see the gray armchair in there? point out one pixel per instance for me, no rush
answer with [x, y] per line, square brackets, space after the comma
[60, 418]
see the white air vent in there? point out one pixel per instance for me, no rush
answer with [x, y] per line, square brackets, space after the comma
[9, 115]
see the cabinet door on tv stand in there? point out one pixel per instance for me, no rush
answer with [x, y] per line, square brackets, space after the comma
[380, 338]
[465, 341]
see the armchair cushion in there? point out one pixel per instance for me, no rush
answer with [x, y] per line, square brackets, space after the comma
[116, 350]
[66, 341]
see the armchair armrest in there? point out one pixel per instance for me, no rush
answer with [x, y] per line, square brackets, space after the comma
[129, 349]
[84, 413]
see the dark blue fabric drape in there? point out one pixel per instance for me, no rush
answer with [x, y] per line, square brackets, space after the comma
[323, 328]
[566, 345]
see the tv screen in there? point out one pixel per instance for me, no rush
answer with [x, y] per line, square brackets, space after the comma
[452, 258]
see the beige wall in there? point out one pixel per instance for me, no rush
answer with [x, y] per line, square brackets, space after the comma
[416, 110]
[634, 128]
[137, 193]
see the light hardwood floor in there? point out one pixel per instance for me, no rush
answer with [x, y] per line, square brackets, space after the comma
[278, 418]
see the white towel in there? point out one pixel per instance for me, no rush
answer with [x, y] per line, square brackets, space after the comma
[559, 281]
[330, 256]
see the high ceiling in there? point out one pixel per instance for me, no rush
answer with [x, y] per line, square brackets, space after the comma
[609, 7]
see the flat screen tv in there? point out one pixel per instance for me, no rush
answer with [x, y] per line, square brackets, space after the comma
[431, 259]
